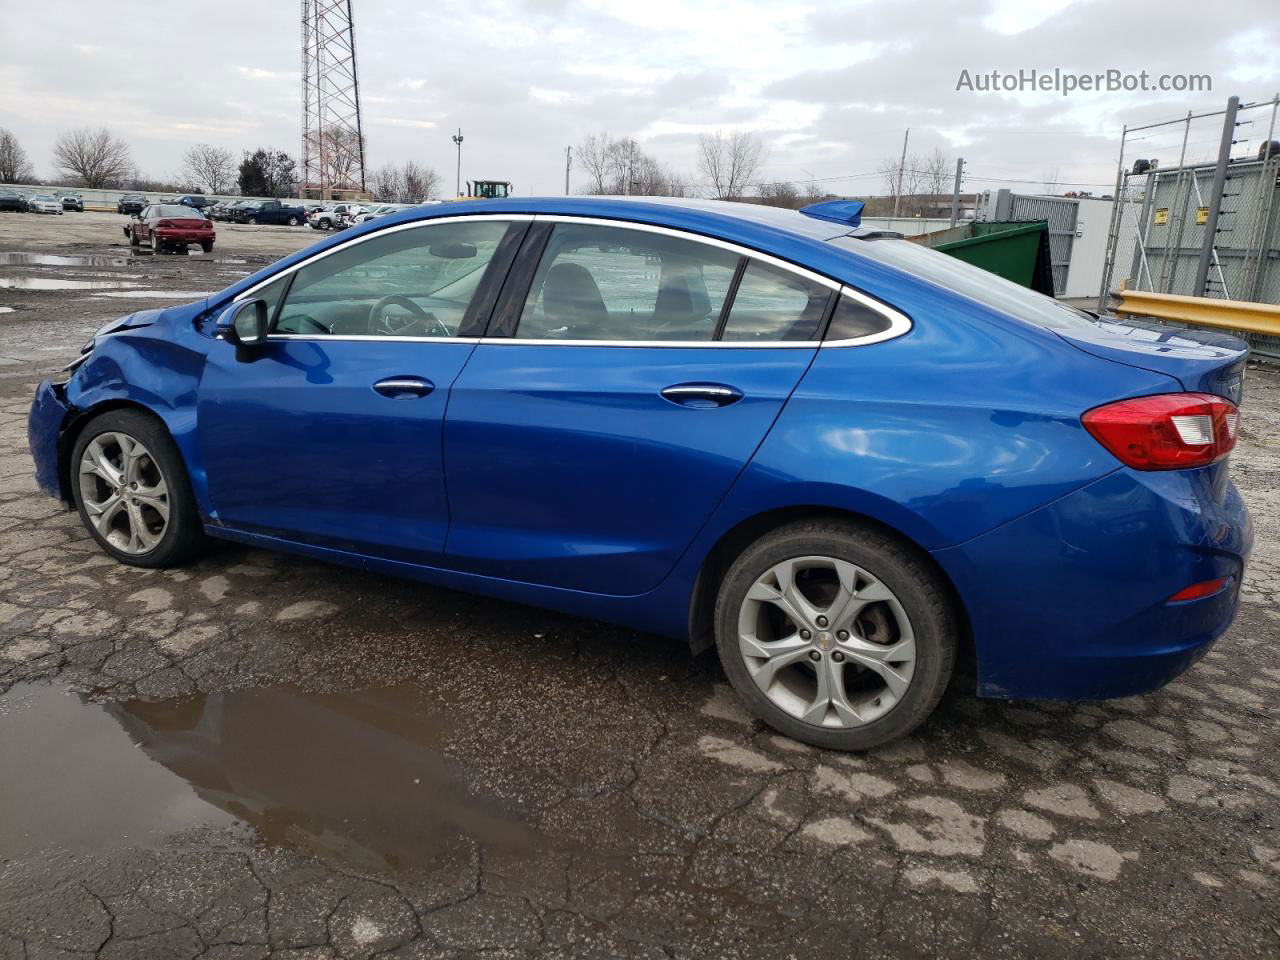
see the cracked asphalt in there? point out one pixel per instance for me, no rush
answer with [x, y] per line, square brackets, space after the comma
[258, 755]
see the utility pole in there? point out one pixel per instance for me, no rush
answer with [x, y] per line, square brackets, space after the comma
[568, 163]
[902, 166]
[1215, 197]
[955, 194]
[457, 139]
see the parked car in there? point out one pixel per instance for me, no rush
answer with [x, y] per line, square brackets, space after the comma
[836, 455]
[43, 203]
[12, 201]
[269, 211]
[193, 200]
[131, 203]
[170, 226]
[72, 201]
[332, 216]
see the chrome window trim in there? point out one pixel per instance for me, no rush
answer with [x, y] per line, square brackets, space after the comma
[899, 323]
[663, 344]
[692, 237]
[411, 225]
[369, 337]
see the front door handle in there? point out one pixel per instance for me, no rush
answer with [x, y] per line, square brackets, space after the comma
[399, 388]
[702, 395]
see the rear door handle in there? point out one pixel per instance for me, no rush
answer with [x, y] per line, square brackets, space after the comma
[702, 395]
[403, 387]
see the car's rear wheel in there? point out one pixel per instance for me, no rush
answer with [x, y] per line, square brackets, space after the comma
[131, 489]
[156, 246]
[206, 246]
[836, 633]
[293, 221]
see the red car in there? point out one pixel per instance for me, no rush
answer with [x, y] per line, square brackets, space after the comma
[166, 226]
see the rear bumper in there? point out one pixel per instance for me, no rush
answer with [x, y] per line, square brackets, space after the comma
[185, 236]
[48, 415]
[1070, 601]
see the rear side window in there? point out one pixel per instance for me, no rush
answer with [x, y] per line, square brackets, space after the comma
[775, 304]
[852, 319]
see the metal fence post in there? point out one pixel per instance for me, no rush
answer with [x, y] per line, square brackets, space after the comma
[1113, 231]
[955, 194]
[1215, 196]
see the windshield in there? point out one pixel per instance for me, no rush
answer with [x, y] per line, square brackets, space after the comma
[970, 281]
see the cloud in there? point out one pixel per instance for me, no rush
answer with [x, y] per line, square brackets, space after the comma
[831, 85]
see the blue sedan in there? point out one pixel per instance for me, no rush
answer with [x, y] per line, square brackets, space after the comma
[839, 457]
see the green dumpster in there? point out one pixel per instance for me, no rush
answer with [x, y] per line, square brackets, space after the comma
[1016, 251]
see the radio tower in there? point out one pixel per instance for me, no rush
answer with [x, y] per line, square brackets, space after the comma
[332, 136]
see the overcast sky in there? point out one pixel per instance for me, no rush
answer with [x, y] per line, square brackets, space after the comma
[829, 86]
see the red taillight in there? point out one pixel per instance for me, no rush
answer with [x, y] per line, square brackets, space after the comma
[1197, 591]
[165, 224]
[1169, 431]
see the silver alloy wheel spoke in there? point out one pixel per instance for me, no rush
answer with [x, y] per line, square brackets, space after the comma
[812, 653]
[125, 495]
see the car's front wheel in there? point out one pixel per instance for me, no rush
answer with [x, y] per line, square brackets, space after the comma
[131, 489]
[836, 633]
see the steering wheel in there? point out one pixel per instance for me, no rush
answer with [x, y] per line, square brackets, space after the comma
[384, 326]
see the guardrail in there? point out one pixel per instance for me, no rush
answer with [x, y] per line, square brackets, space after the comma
[1259, 323]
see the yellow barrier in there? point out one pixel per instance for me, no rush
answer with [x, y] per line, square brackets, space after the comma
[1263, 318]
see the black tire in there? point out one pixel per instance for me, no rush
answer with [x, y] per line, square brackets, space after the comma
[157, 247]
[133, 238]
[183, 536]
[293, 221]
[207, 246]
[900, 567]
[253, 221]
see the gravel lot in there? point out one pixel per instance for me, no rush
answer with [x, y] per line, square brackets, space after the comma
[260, 755]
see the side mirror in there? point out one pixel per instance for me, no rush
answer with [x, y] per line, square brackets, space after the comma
[244, 324]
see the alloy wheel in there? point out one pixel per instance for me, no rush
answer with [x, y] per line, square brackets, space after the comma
[125, 495]
[826, 641]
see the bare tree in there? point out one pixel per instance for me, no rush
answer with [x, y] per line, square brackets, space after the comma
[937, 173]
[385, 183]
[94, 158]
[729, 162]
[341, 149]
[15, 166]
[420, 182]
[211, 168]
[410, 182]
[781, 193]
[1051, 178]
[592, 155]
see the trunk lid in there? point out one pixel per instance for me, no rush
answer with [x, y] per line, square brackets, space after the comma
[1201, 360]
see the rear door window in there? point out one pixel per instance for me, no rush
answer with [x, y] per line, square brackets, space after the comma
[614, 284]
[775, 304]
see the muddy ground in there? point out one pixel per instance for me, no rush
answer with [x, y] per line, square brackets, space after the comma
[261, 755]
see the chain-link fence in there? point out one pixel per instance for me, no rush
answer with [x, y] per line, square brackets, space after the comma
[1198, 209]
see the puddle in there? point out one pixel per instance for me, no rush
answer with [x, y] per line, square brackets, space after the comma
[158, 294]
[357, 777]
[59, 260]
[49, 283]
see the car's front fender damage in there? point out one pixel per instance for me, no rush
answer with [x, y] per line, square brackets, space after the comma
[135, 362]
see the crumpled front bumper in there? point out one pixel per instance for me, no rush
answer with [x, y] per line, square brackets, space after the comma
[49, 412]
